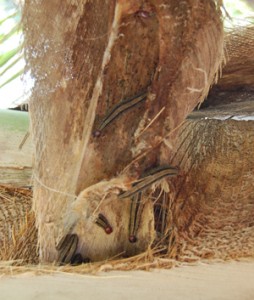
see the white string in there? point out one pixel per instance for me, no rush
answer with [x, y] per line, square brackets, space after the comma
[51, 189]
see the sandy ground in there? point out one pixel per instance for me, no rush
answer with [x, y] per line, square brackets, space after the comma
[230, 281]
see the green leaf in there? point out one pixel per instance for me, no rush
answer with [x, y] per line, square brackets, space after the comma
[12, 64]
[10, 58]
[12, 77]
[9, 17]
[13, 31]
[4, 58]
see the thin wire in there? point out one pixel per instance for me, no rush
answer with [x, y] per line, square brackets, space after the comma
[52, 189]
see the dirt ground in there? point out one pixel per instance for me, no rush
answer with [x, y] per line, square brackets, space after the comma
[219, 281]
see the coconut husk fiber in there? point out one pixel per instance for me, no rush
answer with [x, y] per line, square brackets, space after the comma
[90, 57]
[238, 71]
[237, 80]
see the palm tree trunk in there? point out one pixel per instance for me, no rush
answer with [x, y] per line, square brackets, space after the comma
[85, 58]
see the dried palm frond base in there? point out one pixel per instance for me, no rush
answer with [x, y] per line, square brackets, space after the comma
[238, 71]
[237, 79]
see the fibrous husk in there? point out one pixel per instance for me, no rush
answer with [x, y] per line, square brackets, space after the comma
[212, 203]
[237, 80]
[238, 71]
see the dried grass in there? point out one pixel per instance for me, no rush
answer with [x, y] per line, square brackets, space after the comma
[18, 232]
[145, 261]
[15, 204]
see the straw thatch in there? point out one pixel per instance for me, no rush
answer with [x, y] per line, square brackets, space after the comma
[15, 204]
[18, 234]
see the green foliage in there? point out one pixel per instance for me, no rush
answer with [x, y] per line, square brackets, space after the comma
[11, 33]
[10, 58]
[9, 17]
[8, 55]
[237, 9]
[14, 76]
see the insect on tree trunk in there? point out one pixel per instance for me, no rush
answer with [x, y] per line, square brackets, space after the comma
[112, 80]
